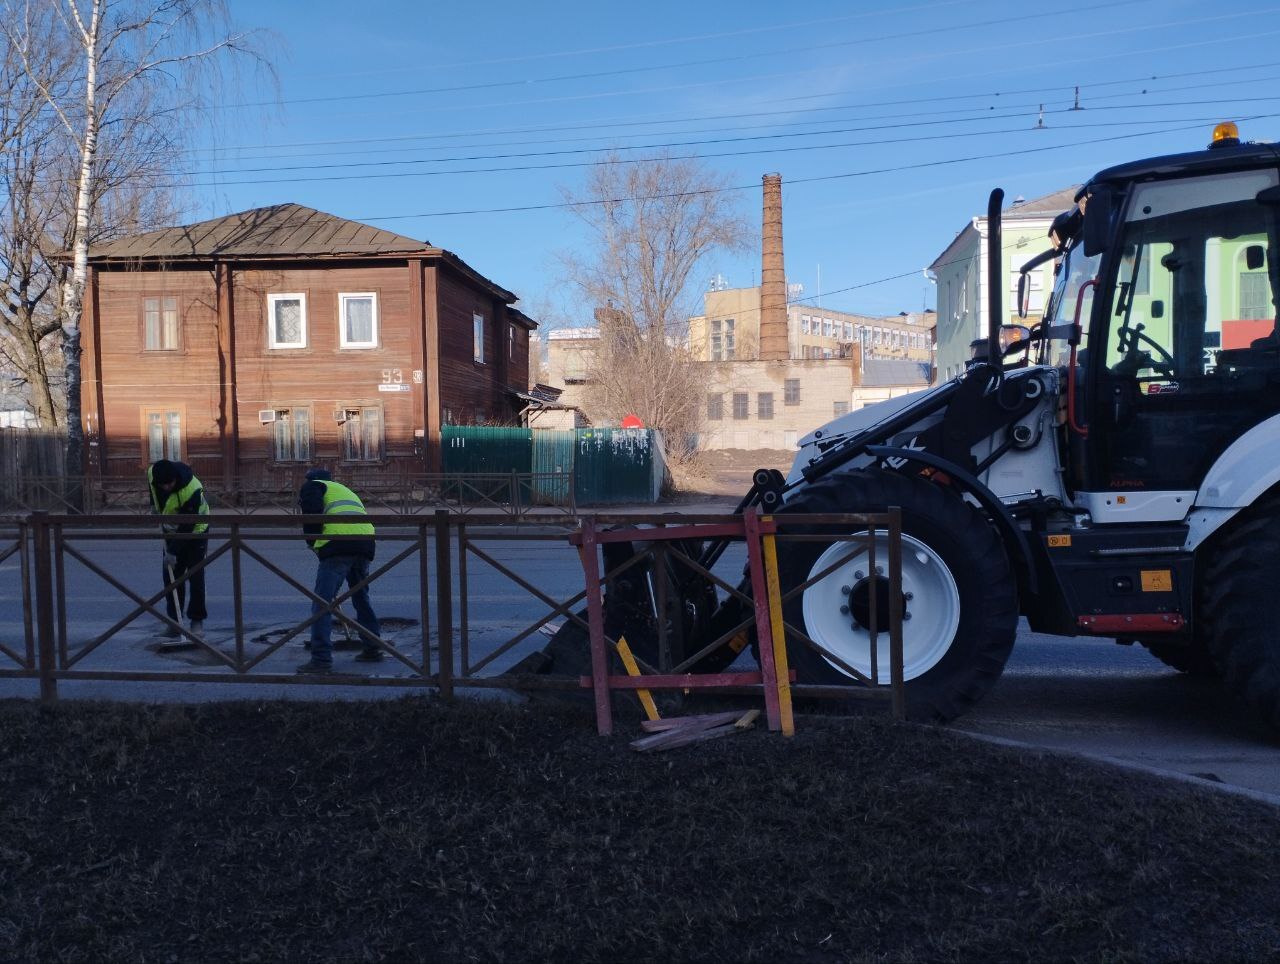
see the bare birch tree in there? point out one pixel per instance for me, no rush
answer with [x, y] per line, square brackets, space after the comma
[653, 227]
[130, 77]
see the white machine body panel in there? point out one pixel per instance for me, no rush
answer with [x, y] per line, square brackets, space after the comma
[1139, 506]
[1248, 467]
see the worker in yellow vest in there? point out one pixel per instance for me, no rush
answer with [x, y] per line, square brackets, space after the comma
[175, 490]
[340, 560]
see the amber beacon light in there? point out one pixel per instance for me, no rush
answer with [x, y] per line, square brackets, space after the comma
[1226, 134]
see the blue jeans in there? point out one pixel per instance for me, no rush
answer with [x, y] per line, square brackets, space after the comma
[330, 575]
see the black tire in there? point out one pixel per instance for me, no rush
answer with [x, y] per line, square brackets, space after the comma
[969, 548]
[1194, 658]
[1239, 614]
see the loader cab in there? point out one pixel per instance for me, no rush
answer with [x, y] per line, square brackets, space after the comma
[1179, 352]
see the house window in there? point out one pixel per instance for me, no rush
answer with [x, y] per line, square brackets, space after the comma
[1255, 295]
[764, 405]
[740, 405]
[287, 321]
[804, 324]
[291, 435]
[160, 323]
[791, 394]
[789, 438]
[358, 315]
[164, 434]
[722, 340]
[840, 408]
[715, 407]
[477, 339]
[848, 331]
[362, 435]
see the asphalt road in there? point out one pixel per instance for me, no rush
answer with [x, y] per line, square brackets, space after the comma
[1080, 695]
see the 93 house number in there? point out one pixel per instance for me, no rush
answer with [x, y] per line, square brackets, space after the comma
[392, 376]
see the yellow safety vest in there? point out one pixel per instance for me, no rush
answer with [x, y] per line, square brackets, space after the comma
[178, 498]
[341, 501]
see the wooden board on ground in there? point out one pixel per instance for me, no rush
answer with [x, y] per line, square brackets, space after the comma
[686, 730]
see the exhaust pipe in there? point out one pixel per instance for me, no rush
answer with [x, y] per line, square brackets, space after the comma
[995, 278]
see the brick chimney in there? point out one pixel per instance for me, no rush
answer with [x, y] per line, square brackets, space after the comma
[774, 343]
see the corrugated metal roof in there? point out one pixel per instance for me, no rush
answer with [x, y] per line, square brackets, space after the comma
[892, 372]
[1050, 204]
[281, 229]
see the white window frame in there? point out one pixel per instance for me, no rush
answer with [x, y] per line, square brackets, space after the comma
[343, 297]
[477, 338]
[361, 413]
[272, 298]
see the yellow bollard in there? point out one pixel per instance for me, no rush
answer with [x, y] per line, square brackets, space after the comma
[783, 672]
[629, 661]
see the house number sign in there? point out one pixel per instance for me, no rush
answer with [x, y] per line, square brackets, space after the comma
[393, 381]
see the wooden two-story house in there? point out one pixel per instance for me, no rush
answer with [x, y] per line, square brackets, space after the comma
[285, 336]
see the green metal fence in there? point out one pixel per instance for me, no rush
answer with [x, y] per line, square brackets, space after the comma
[481, 449]
[600, 466]
[616, 465]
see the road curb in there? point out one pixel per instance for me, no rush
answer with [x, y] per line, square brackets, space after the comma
[1229, 788]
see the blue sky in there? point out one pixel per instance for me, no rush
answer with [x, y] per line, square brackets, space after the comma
[889, 122]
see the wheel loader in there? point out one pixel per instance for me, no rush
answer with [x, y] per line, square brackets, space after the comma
[1112, 470]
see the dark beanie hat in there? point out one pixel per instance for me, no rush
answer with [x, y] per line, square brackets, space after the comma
[319, 475]
[163, 472]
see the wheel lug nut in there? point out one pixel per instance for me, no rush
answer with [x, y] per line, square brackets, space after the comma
[879, 570]
[906, 616]
[908, 596]
[844, 610]
[857, 574]
[846, 590]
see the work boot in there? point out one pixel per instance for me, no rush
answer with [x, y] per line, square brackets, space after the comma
[370, 654]
[197, 628]
[170, 632]
[312, 668]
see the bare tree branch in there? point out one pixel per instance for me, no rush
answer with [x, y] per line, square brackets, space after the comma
[640, 273]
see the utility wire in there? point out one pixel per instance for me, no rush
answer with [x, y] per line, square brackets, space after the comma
[773, 53]
[664, 42]
[596, 126]
[943, 117]
[945, 162]
[1020, 110]
[565, 165]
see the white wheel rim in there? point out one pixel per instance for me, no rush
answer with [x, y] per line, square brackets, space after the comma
[932, 608]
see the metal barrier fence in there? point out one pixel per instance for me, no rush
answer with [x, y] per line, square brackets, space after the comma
[82, 591]
[514, 494]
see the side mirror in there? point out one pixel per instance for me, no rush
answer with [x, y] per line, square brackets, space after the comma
[1254, 257]
[1013, 338]
[1097, 220]
[1268, 195]
[1157, 309]
[1024, 295]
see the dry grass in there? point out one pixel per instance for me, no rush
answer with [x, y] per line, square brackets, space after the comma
[416, 830]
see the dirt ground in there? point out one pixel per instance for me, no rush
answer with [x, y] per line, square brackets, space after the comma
[726, 473]
[421, 830]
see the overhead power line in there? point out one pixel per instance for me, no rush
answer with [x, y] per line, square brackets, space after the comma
[567, 165]
[772, 53]
[596, 126]
[951, 116]
[1021, 110]
[944, 162]
[662, 42]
